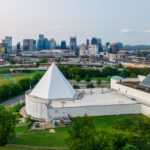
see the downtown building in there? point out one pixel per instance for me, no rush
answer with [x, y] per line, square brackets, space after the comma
[8, 44]
[43, 43]
[29, 45]
[73, 44]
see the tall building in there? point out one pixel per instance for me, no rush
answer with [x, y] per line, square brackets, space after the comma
[63, 45]
[29, 45]
[18, 46]
[115, 47]
[52, 44]
[43, 43]
[98, 42]
[73, 44]
[83, 51]
[40, 42]
[2, 49]
[93, 50]
[87, 43]
[8, 42]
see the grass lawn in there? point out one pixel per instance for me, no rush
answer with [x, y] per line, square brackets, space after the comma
[58, 139]
[16, 78]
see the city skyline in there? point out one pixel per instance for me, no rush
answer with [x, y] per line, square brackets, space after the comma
[111, 20]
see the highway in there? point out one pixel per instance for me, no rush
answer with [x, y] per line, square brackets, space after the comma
[14, 101]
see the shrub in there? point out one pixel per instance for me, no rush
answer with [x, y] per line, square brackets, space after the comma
[87, 78]
[90, 85]
[76, 86]
[17, 107]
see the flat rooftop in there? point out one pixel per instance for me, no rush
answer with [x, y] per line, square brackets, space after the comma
[95, 98]
[135, 85]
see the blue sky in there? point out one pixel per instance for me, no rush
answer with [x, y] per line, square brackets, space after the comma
[127, 21]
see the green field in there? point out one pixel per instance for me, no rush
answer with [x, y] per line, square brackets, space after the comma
[15, 78]
[40, 139]
[58, 139]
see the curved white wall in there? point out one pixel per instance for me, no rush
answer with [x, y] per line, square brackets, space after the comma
[35, 107]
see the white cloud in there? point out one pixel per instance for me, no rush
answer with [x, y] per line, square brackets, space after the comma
[56, 27]
[147, 31]
[127, 31]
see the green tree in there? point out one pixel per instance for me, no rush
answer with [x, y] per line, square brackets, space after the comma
[133, 75]
[98, 81]
[90, 85]
[36, 78]
[102, 141]
[87, 78]
[77, 78]
[25, 84]
[29, 121]
[8, 122]
[76, 86]
[81, 134]
[110, 71]
[130, 147]
[139, 126]
[119, 140]
[44, 60]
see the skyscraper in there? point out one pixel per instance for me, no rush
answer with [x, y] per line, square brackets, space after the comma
[40, 42]
[115, 47]
[63, 45]
[8, 42]
[29, 44]
[93, 50]
[18, 46]
[98, 42]
[43, 43]
[52, 44]
[73, 44]
[87, 43]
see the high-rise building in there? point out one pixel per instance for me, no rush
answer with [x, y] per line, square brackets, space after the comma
[94, 41]
[43, 43]
[46, 44]
[83, 51]
[52, 44]
[73, 44]
[93, 50]
[29, 45]
[107, 47]
[8, 42]
[87, 43]
[115, 47]
[2, 49]
[18, 46]
[40, 42]
[98, 42]
[63, 45]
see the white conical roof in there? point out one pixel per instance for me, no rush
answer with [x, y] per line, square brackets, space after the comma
[53, 85]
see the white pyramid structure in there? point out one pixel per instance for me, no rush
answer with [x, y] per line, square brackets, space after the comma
[53, 86]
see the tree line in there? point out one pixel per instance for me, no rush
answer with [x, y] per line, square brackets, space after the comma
[127, 134]
[79, 72]
[8, 91]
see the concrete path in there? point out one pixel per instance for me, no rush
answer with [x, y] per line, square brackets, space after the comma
[23, 114]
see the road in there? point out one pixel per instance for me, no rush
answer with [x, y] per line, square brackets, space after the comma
[14, 101]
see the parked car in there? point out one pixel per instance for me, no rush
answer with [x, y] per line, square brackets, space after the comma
[65, 121]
